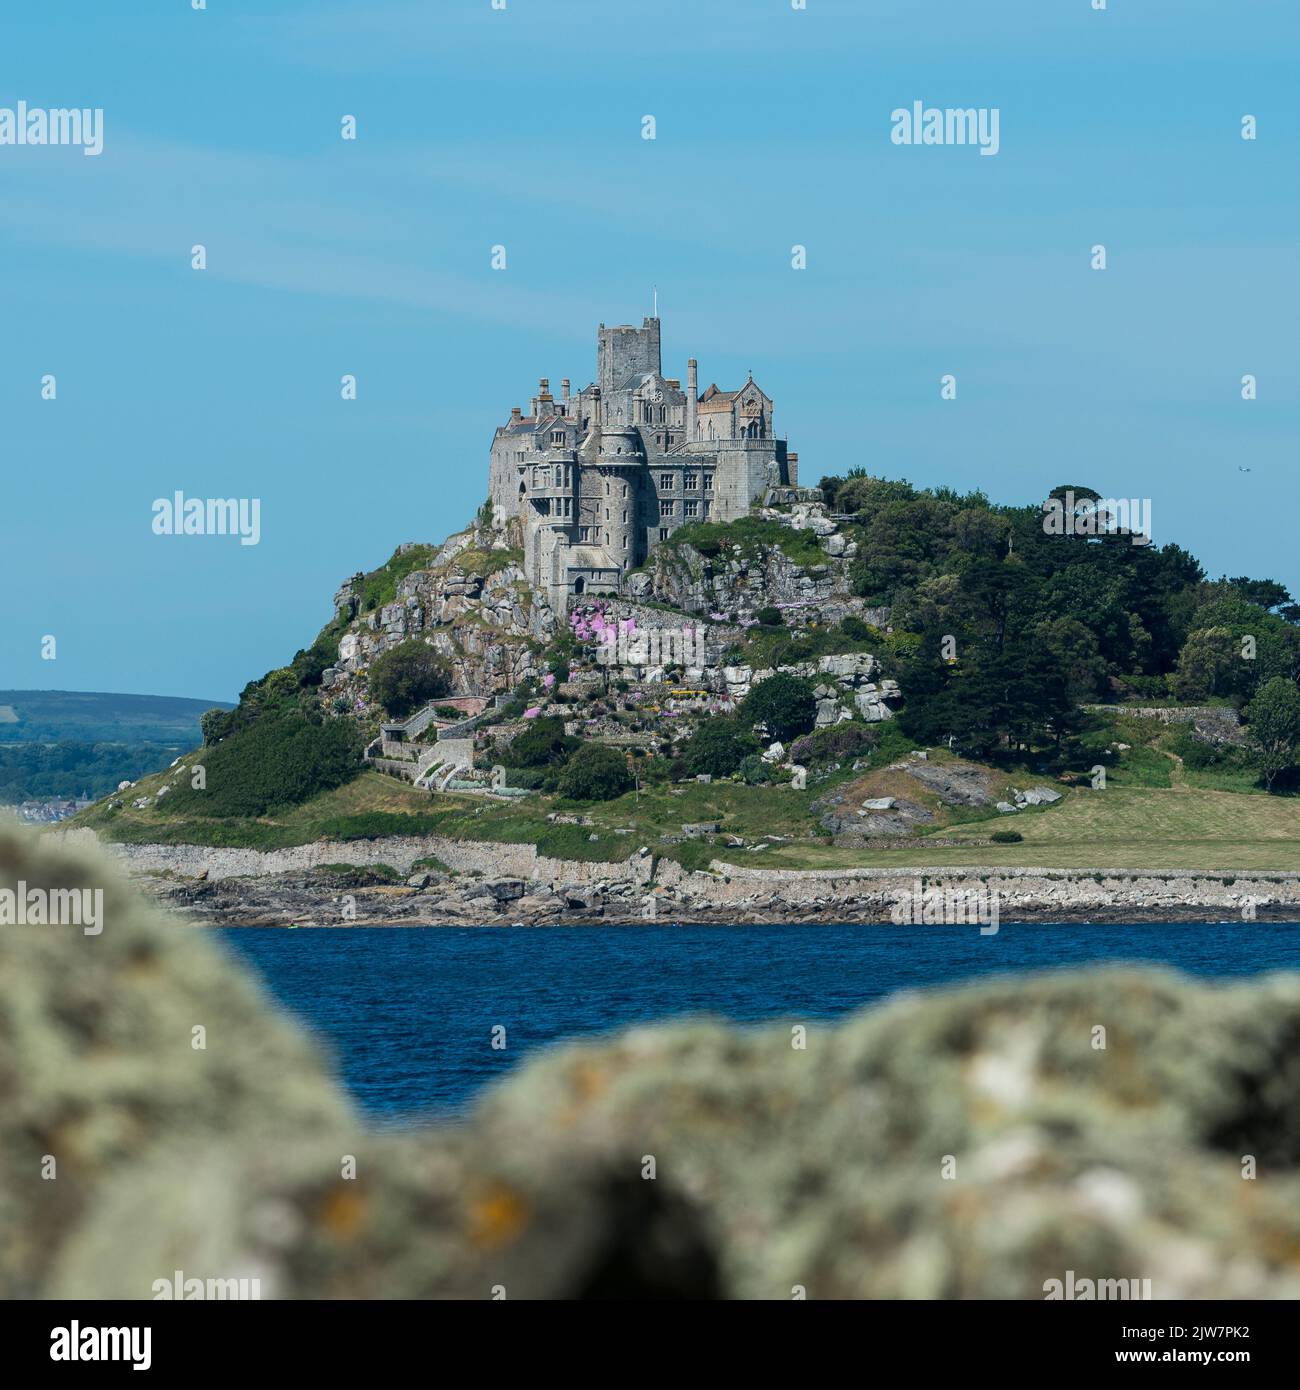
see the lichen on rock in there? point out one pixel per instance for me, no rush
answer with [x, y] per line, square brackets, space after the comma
[963, 1143]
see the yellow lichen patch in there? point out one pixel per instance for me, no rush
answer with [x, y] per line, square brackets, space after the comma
[342, 1212]
[497, 1218]
[589, 1080]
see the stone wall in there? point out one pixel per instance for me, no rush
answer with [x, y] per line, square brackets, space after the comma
[399, 851]
[839, 894]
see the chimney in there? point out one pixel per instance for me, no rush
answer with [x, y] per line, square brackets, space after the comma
[692, 396]
[564, 389]
[515, 415]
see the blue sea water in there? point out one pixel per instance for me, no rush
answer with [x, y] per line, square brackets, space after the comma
[408, 1012]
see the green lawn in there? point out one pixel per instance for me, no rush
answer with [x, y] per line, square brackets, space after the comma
[1175, 825]
[1121, 827]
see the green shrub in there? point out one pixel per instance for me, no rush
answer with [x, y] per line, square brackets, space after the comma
[785, 704]
[407, 676]
[836, 744]
[595, 773]
[1007, 837]
[755, 771]
[717, 747]
[853, 626]
[770, 617]
[282, 760]
[532, 779]
[542, 743]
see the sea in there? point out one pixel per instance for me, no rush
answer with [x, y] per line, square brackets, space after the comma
[408, 1014]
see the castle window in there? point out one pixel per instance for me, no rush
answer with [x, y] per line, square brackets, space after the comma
[708, 482]
[665, 507]
[692, 508]
[705, 512]
[557, 436]
[691, 481]
[663, 533]
[666, 482]
[624, 518]
[606, 513]
[606, 537]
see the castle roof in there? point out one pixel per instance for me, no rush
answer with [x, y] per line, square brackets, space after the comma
[713, 399]
[589, 557]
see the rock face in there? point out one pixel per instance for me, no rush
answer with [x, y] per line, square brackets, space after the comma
[972, 1143]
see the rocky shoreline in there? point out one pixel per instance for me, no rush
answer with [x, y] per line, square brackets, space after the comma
[430, 881]
[312, 900]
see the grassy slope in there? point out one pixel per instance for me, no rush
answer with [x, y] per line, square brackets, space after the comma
[1152, 814]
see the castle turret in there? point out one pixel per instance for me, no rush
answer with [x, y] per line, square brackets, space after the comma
[692, 396]
[621, 462]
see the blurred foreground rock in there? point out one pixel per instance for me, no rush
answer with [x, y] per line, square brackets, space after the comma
[777, 1167]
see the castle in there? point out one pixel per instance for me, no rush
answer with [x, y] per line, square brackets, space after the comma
[600, 478]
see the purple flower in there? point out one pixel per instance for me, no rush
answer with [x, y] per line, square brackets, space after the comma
[533, 713]
[548, 680]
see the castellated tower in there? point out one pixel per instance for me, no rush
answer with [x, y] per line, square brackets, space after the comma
[601, 476]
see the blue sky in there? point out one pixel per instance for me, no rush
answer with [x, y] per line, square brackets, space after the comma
[523, 127]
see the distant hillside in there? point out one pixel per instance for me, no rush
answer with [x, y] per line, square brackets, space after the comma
[52, 716]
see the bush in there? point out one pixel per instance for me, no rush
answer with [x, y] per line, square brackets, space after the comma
[853, 626]
[784, 703]
[770, 617]
[718, 747]
[214, 725]
[407, 676]
[595, 773]
[836, 744]
[542, 744]
[282, 760]
[1007, 837]
[532, 779]
[755, 771]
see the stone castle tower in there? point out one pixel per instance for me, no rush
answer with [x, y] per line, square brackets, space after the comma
[599, 477]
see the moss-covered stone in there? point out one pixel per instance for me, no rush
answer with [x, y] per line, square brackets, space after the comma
[974, 1142]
